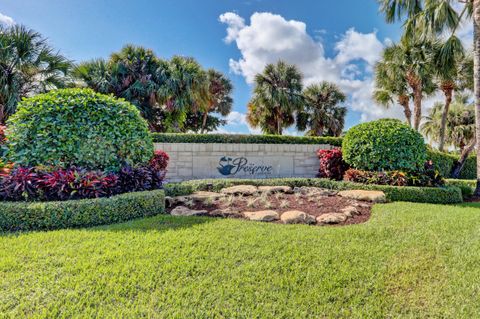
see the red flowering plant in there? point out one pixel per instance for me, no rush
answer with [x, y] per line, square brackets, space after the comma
[331, 164]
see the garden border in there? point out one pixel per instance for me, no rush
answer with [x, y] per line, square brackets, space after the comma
[433, 195]
[21, 216]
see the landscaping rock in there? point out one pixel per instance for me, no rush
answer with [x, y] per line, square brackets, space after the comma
[370, 196]
[185, 211]
[306, 190]
[350, 211]
[297, 217]
[246, 190]
[226, 213]
[262, 216]
[275, 189]
[202, 196]
[333, 218]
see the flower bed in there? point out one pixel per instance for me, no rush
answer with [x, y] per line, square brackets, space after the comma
[21, 216]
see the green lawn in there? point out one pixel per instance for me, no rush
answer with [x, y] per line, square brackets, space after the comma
[409, 260]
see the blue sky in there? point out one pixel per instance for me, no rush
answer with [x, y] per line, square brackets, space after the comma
[330, 40]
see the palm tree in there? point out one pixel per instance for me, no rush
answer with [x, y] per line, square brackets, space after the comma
[28, 66]
[185, 88]
[277, 96]
[134, 73]
[322, 114]
[391, 85]
[438, 17]
[219, 98]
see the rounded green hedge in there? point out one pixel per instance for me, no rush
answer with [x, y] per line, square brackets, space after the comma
[20, 216]
[78, 127]
[384, 145]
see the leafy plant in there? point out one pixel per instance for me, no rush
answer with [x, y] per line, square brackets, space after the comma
[332, 164]
[384, 145]
[78, 127]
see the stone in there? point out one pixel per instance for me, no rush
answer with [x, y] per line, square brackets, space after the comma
[226, 213]
[246, 190]
[350, 211]
[297, 217]
[262, 216]
[169, 202]
[369, 196]
[332, 218]
[202, 196]
[185, 211]
[317, 191]
[275, 189]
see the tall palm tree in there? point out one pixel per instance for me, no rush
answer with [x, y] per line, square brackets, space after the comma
[391, 85]
[434, 17]
[219, 98]
[28, 66]
[322, 114]
[276, 97]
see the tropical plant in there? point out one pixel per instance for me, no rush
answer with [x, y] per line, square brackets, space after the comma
[28, 66]
[78, 127]
[322, 114]
[442, 17]
[276, 97]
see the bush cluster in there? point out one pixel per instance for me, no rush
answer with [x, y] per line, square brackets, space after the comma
[45, 184]
[78, 127]
[332, 164]
[243, 139]
[384, 145]
[434, 195]
[22, 216]
[444, 163]
[425, 178]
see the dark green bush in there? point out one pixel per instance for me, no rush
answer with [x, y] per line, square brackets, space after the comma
[434, 195]
[384, 145]
[466, 186]
[15, 216]
[78, 127]
[444, 162]
[243, 139]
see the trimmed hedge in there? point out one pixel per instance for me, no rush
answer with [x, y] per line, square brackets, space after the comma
[444, 162]
[243, 139]
[21, 216]
[434, 195]
[466, 186]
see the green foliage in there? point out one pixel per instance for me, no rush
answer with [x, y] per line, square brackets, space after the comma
[74, 127]
[435, 195]
[384, 145]
[444, 162]
[22, 216]
[243, 139]
[466, 186]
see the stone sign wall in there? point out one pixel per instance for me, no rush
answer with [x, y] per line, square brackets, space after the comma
[197, 161]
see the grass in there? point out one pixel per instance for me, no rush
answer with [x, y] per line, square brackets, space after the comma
[409, 260]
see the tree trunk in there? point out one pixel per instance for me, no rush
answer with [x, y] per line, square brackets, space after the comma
[403, 100]
[457, 168]
[447, 89]
[417, 106]
[204, 122]
[476, 76]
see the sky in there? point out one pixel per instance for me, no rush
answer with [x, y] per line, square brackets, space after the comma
[337, 41]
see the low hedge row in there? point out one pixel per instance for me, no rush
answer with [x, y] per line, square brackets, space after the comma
[243, 139]
[434, 195]
[20, 216]
[444, 162]
[467, 186]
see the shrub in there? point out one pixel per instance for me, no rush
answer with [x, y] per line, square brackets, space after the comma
[434, 195]
[466, 186]
[159, 160]
[78, 127]
[243, 139]
[331, 164]
[15, 216]
[384, 145]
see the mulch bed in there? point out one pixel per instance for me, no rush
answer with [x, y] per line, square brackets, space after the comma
[314, 205]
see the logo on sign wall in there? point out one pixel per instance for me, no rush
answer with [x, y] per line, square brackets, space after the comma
[229, 166]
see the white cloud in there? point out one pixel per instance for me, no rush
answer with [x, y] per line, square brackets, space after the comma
[236, 118]
[6, 20]
[270, 37]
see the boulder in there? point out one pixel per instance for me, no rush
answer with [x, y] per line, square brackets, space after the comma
[245, 190]
[226, 213]
[350, 211]
[317, 191]
[297, 217]
[202, 196]
[333, 218]
[262, 216]
[275, 189]
[370, 196]
[185, 211]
